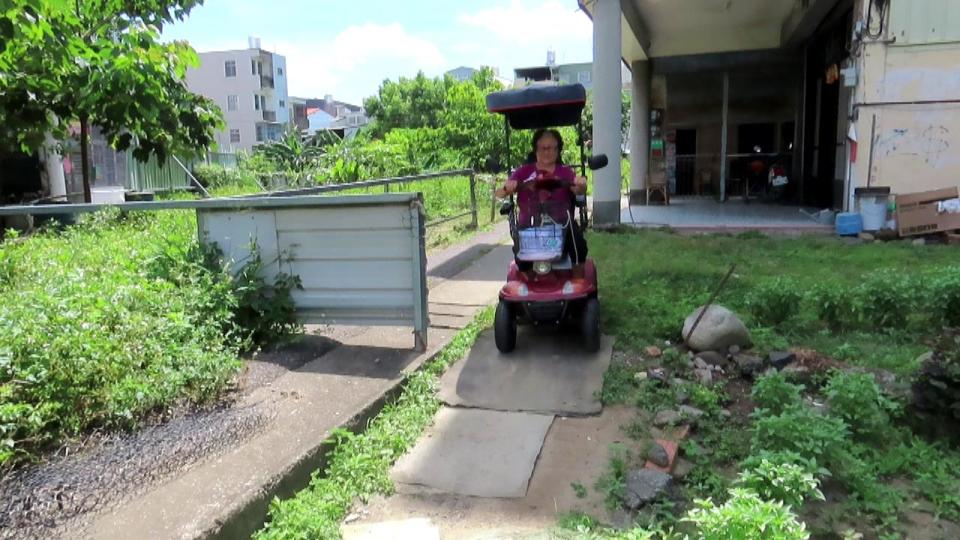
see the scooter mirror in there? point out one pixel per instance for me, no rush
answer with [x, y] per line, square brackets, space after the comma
[598, 161]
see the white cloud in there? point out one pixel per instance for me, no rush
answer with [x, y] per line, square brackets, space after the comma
[352, 65]
[551, 23]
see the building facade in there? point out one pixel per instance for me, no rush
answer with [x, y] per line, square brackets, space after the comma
[250, 87]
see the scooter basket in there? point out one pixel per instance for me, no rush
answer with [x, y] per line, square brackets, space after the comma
[544, 243]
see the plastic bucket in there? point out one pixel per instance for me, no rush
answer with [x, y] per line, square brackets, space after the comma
[873, 204]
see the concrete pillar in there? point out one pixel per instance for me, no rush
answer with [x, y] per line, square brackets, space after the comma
[639, 131]
[607, 87]
[53, 167]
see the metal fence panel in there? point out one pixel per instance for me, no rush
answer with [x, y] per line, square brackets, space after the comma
[359, 265]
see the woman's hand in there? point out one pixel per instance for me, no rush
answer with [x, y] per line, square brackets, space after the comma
[579, 185]
[509, 188]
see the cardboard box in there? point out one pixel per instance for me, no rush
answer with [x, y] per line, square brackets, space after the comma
[918, 213]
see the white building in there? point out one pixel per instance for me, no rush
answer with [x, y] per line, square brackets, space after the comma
[250, 86]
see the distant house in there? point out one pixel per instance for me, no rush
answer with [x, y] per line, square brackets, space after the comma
[250, 87]
[328, 113]
[464, 73]
[551, 72]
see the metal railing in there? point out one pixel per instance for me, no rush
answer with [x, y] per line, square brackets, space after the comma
[387, 182]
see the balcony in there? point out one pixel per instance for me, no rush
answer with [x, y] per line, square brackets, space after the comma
[266, 81]
[269, 116]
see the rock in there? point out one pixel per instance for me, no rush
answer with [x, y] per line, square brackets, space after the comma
[644, 486]
[682, 397]
[700, 363]
[750, 366]
[866, 237]
[718, 330]
[692, 413]
[733, 349]
[653, 352]
[725, 413]
[681, 468]
[658, 455]
[919, 241]
[657, 374]
[712, 358]
[781, 359]
[677, 382]
[640, 376]
[704, 376]
[665, 418]
[798, 373]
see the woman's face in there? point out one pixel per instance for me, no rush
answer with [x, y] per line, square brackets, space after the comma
[547, 150]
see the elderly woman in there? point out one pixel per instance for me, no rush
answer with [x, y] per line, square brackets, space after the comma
[548, 148]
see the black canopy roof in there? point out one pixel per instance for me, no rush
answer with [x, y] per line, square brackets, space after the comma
[540, 106]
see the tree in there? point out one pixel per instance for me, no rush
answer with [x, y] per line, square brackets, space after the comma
[100, 63]
[407, 103]
[291, 154]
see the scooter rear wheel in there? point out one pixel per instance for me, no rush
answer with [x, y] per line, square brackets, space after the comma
[505, 328]
[590, 325]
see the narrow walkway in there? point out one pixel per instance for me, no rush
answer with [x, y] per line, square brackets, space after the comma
[227, 496]
[500, 459]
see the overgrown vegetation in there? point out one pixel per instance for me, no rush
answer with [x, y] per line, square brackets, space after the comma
[359, 464]
[837, 436]
[114, 318]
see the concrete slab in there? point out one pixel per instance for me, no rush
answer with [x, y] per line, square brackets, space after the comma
[408, 529]
[474, 452]
[449, 321]
[706, 214]
[475, 285]
[545, 374]
[576, 450]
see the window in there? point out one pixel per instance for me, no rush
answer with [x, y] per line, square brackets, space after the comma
[232, 103]
[282, 104]
[253, 66]
[234, 136]
[279, 72]
[259, 133]
[256, 102]
[230, 68]
[583, 76]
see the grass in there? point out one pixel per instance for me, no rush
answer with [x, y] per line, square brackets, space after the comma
[651, 281]
[105, 322]
[882, 305]
[359, 464]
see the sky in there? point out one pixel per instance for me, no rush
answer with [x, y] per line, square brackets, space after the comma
[346, 48]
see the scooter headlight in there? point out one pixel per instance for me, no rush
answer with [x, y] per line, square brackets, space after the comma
[542, 267]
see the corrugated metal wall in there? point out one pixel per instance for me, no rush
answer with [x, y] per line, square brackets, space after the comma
[359, 265]
[925, 21]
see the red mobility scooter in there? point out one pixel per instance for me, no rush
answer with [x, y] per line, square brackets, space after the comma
[543, 290]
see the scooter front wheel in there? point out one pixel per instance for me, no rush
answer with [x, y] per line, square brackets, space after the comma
[505, 328]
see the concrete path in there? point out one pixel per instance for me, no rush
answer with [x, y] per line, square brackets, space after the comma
[227, 496]
[705, 214]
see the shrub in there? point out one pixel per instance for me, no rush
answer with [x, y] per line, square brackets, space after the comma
[774, 394]
[887, 298]
[216, 176]
[745, 516]
[856, 398]
[815, 436]
[781, 481]
[773, 302]
[944, 296]
[835, 306]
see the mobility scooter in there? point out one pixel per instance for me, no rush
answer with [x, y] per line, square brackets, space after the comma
[543, 288]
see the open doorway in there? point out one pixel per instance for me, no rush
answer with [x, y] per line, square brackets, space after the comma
[686, 142]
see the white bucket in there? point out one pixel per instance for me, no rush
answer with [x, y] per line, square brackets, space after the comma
[873, 210]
